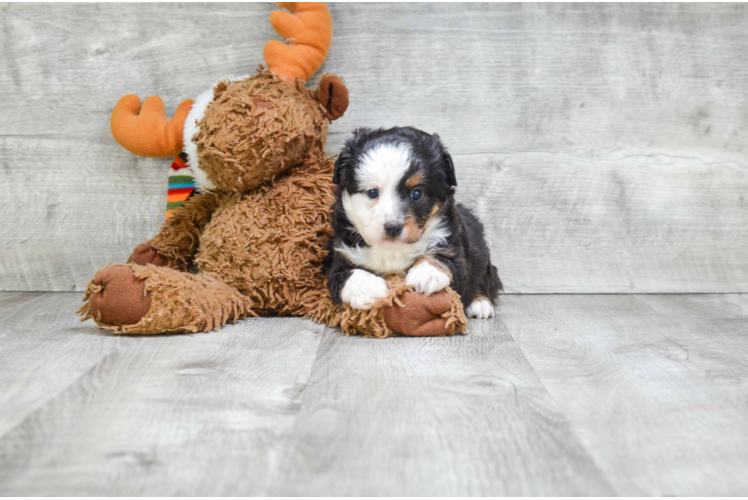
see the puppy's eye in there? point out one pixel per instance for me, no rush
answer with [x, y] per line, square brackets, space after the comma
[372, 193]
[416, 194]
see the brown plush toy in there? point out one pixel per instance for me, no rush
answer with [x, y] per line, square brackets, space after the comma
[258, 228]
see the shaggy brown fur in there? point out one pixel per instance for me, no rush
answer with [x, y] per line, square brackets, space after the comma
[259, 239]
[179, 302]
[242, 144]
[179, 238]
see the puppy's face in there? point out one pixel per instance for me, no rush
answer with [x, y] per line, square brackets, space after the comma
[393, 183]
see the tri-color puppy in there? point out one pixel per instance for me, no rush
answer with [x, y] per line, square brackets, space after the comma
[395, 212]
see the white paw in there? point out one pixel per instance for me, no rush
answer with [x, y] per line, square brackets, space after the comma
[480, 309]
[363, 289]
[427, 279]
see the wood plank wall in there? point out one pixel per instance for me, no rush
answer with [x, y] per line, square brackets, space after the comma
[603, 145]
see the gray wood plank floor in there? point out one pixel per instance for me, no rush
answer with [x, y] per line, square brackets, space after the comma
[559, 394]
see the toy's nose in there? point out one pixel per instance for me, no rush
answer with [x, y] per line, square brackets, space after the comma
[393, 229]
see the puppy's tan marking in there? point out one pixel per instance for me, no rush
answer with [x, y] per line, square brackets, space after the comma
[416, 227]
[414, 230]
[433, 213]
[414, 180]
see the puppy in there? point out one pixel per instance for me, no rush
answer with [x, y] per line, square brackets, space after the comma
[395, 212]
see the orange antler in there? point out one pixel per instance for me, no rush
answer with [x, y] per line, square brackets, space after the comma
[146, 131]
[308, 32]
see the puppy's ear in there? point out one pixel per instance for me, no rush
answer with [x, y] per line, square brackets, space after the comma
[341, 164]
[449, 169]
[448, 165]
[347, 157]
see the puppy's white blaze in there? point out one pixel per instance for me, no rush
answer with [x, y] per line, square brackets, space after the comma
[427, 279]
[480, 309]
[382, 168]
[363, 289]
[396, 258]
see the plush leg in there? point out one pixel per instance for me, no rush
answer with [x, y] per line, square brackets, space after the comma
[148, 299]
[145, 254]
[419, 315]
[402, 312]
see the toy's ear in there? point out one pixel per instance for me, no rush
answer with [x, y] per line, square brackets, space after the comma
[333, 94]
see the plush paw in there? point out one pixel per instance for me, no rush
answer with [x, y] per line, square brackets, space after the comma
[480, 309]
[145, 254]
[363, 289]
[419, 316]
[118, 297]
[427, 279]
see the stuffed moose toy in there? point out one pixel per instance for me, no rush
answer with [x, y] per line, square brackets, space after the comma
[257, 229]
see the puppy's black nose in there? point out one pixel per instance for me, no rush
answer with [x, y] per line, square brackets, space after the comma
[393, 229]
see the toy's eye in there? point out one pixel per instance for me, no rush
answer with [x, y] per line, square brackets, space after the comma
[373, 193]
[416, 194]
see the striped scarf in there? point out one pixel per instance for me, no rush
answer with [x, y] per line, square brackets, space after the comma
[181, 184]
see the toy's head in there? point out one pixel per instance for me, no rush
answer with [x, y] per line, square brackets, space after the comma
[258, 127]
[244, 132]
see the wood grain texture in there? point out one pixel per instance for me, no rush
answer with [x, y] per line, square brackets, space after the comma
[622, 128]
[654, 386]
[43, 349]
[69, 207]
[558, 395]
[162, 415]
[623, 223]
[464, 415]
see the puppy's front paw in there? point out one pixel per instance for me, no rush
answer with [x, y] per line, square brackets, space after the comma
[427, 279]
[363, 289]
[480, 309]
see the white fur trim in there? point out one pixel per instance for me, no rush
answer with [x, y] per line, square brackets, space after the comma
[191, 129]
[363, 289]
[427, 279]
[480, 309]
